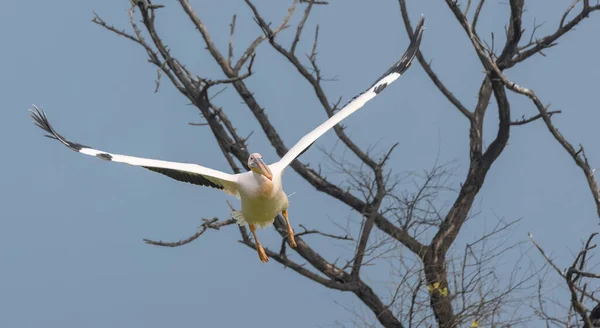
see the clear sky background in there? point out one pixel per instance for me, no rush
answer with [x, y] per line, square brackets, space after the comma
[71, 228]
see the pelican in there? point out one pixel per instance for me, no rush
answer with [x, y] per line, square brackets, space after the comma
[259, 189]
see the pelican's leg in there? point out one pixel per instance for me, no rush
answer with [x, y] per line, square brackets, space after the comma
[290, 230]
[261, 251]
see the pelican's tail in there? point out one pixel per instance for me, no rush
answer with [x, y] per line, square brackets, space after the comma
[240, 220]
[239, 217]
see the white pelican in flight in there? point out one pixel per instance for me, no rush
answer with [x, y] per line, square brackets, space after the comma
[259, 189]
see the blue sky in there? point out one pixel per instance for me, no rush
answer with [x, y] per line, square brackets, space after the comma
[72, 226]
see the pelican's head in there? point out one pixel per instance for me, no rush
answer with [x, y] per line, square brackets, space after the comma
[257, 165]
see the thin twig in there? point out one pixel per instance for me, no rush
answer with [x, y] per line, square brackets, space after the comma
[231, 32]
[524, 120]
[208, 224]
[427, 67]
[477, 13]
[564, 16]
[308, 232]
[252, 48]
[560, 272]
[301, 27]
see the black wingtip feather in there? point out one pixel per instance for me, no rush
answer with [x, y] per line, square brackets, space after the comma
[41, 120]
[406, 60]
[404, 63]
[184, 176]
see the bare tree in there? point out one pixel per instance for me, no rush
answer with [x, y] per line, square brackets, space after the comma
[411, 231]
[581, 285]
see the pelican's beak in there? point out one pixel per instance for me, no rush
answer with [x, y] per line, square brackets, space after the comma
[259, 166]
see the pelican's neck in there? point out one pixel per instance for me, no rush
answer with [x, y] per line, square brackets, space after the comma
[266, 185]
[260, 178]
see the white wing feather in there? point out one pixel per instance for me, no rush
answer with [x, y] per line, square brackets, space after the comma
[357, 102]
[191, 173]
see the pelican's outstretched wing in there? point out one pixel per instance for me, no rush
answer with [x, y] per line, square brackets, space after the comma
[191, 173]
[357, 102]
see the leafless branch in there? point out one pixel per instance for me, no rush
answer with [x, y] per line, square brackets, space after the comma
[210, 83]
[231, 32]
[198, 124]
[578, 155]
[564, 16]
[571, 281]
[427, 67]
[524, 120]
[550, 40]
[98, 20]
[312, 231]
[477, 13]
[208, 224]
[559, 271]
[212, 48]
[315, 2]
[252, 48]
[301, 269]
[368, 226]
[301, 27]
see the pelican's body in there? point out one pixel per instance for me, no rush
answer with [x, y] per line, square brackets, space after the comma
[262, 199]
[260, 189]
